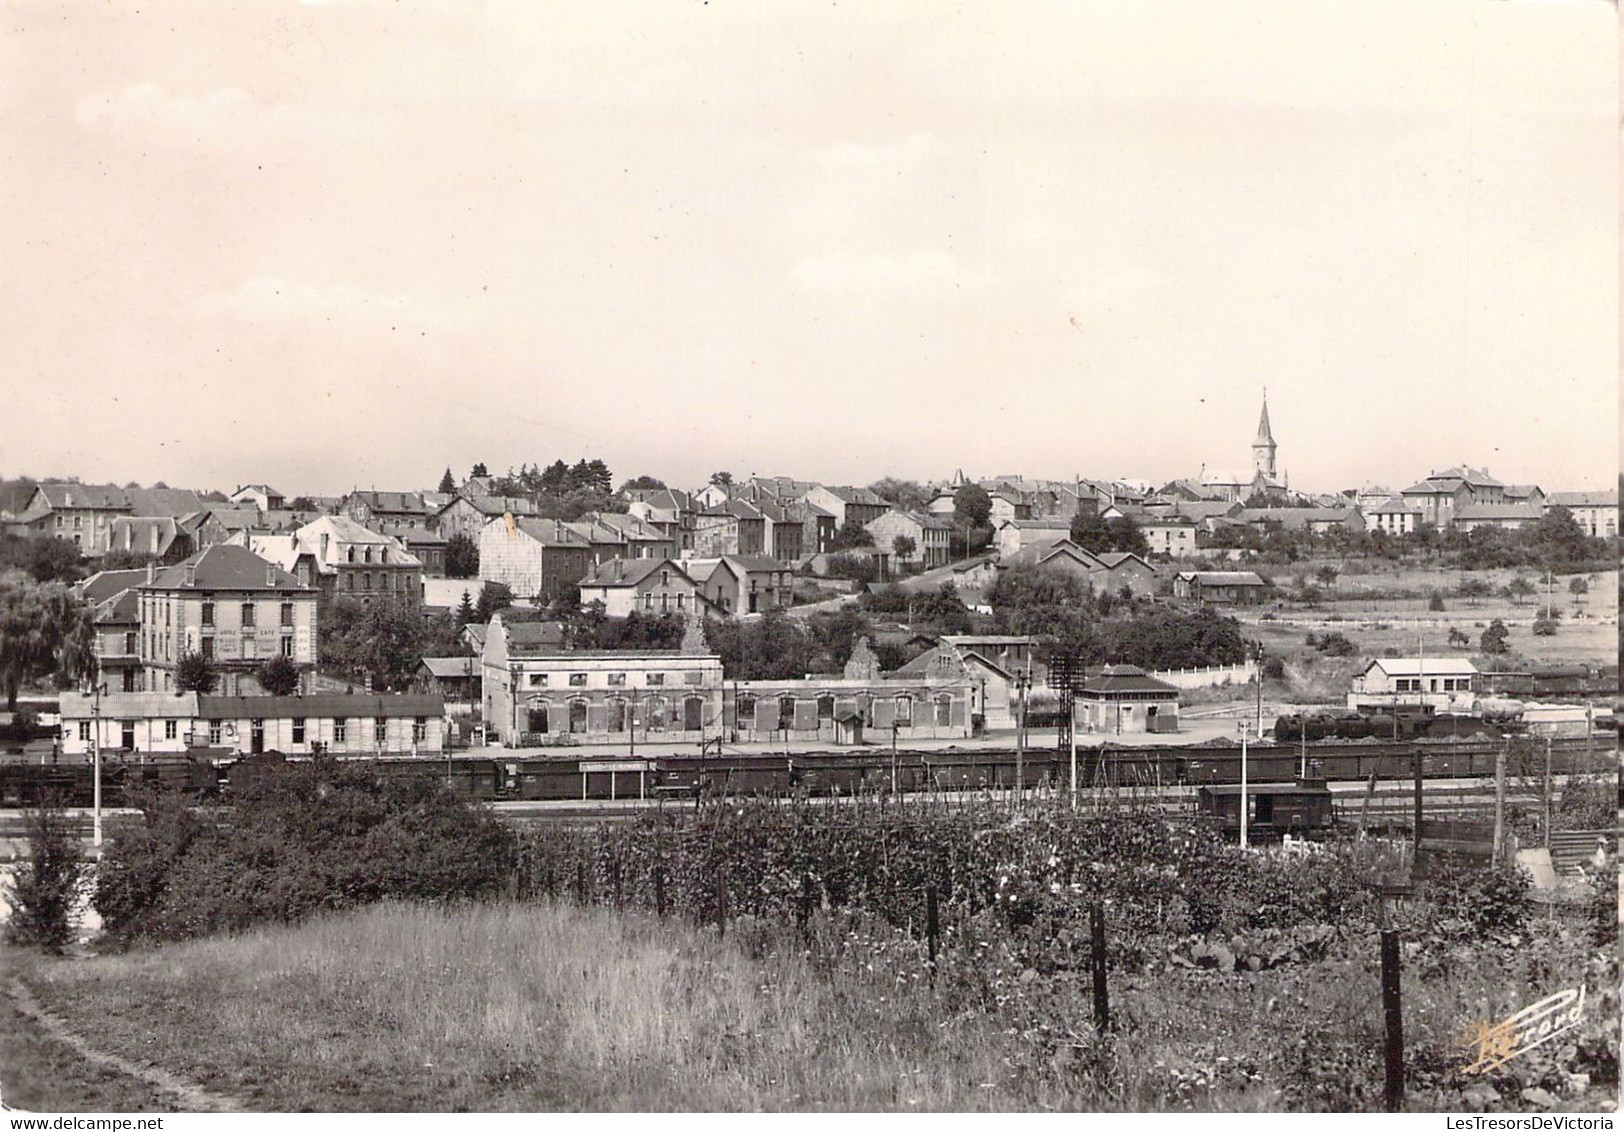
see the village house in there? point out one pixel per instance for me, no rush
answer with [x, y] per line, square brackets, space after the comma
[1172, 535]
[1442, 494]
[533, 558]
[263, 496]
[455, 679]
[1393, 517]
[1525, 493]
[1314, 520]
[640, 539]
[466, 515]
[386, 508]
[1504, 516]
[856, 505]
[643, 585]
[231, 606]
[1220, 587]
[730, 527]
[425, 545]
[178, 722]
[163, 539]
[738, 585]
[1014, 534]
[116, 609]
[930, 534]
[1595, 511]
[340, 558]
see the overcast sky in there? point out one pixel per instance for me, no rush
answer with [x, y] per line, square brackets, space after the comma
[345, 244]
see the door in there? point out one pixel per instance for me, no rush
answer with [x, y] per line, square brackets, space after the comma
[257, 731]
[537, 717]
[693, 713]
[577, 717]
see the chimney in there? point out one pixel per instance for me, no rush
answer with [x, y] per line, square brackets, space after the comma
[152, 572]
[324, 539]
[558, 528]
[270, 576]
[618, 565]
[154, 538]
[191, 573]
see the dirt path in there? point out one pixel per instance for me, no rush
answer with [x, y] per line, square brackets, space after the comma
[183, 1095]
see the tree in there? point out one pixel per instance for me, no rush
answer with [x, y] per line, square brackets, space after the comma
[851, 534]
[461, 557]
[54, 560]
[448, 483]
[1125, 535]
[44, 631]
[381, 639]
[1089, 531]
[904, 547]
[1326, 575]
[302, 503]
[972, 506]
[195, 672]
[479, 471]
[279, 676]
[1435, 602]
[1518, 588]
[47, 884]
[465, 610]
[904, 495]
[1473, 588]
[722, 479]
[1578, 587]
[1496, 638]
[642, 483]
[1458, 638]
[1558, 537]
[1544, 626]
[493, 598]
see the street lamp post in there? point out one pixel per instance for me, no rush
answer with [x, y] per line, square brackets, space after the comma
[1023, 681]
[95, 773]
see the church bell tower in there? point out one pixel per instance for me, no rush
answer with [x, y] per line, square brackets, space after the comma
[1263, 447]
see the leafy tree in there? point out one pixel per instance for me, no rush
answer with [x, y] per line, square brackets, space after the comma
[1544, 626]
[1435, 602]
[479, 471]
[301, 503]
[47, 884]
[461, 557]
[1496, 640]
[1578, 587]
[279, 676]
[1089, 531]
[1458, 638]
[972, 506]
[642, 483]
[904, 495]
[940, 608]
[853, 567]
[1334, 644]
[448, 483]
[382, 639]
[493, 598]
[903, 546]
[195, 672]
[44, 632]
[851, 535]
[1473, 589]
[54, 560]
[1126, 536]
[772, 647]
[1559, 536]
[722, 479]
[1326, 575]
[123, 560]
[837, 633]
[1518, 588]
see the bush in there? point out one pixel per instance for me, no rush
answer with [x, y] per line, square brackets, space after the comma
[1496, 638]
[1436, 602]
[300, 838]
[1274, 668]
[1335, 644]
[853, 567]
[1544, 627]
[47, 885]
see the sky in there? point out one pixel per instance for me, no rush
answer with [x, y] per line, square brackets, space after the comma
[351, 243]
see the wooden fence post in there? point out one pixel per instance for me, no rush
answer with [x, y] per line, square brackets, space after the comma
[1392, 1008]
[1102, 1003]
[659, 890]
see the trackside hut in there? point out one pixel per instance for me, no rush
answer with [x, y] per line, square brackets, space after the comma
[1230, 587]
[1125, 699]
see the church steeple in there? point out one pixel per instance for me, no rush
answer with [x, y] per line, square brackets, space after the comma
[1263, 448]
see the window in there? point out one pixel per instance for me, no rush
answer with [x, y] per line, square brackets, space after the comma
[366, 555]
[129, 644]
[256, 729]
[84, 732]
[654, 679]
[944, 711]
[350, 556]
[654, 715]
[287, 645]
[538, 679]
[287, 614]
[420, 730]
[208, 647]
[786, 713]
[745, 709]
[617, 679]
[905, 710]
[341, 730]
[693, 677]
[577, 679]
[648, 601]
[826, 707]
[366, 579]
[249, 652]
[247, 615]
[380, 731]
[617, 715]
[214, 732]
[169, 728]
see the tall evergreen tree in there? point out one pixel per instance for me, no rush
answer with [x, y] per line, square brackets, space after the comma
[448, 483]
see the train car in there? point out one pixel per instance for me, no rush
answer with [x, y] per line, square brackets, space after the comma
[1273, 809]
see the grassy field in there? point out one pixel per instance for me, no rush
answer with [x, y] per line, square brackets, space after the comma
[555, 1007]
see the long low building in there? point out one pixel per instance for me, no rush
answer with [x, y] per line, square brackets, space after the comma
[175, 723]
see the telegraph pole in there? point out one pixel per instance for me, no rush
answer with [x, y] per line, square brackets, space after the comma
[95, 774]
[1500, 800]
[1246, 727]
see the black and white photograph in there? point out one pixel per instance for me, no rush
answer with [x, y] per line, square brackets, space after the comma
[739, 556]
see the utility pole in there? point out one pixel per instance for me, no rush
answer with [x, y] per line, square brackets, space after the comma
[1071, 732]
[1246, 727]
[95, 774]
[1500, 800]
[1023, 681]
[1547, 791]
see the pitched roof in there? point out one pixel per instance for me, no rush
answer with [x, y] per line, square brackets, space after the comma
[322, 706]
[141, 534]
[108, 583]
[123, 608]
[102, 497]
[452, 667]
[529, 635]
[1050, 524]
[618, 573]
[1528, 512]
[859, 495]
[1264, 436]
[419, 535]
[1522, 490]
[1115, 558]
[1413, 666]
[1123, 678]
[170, 501]
[1222, 577]
[548, 532]
[1582, 499]
[225, 567]
[1395, 506]
[400, 501]
[494, 505]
